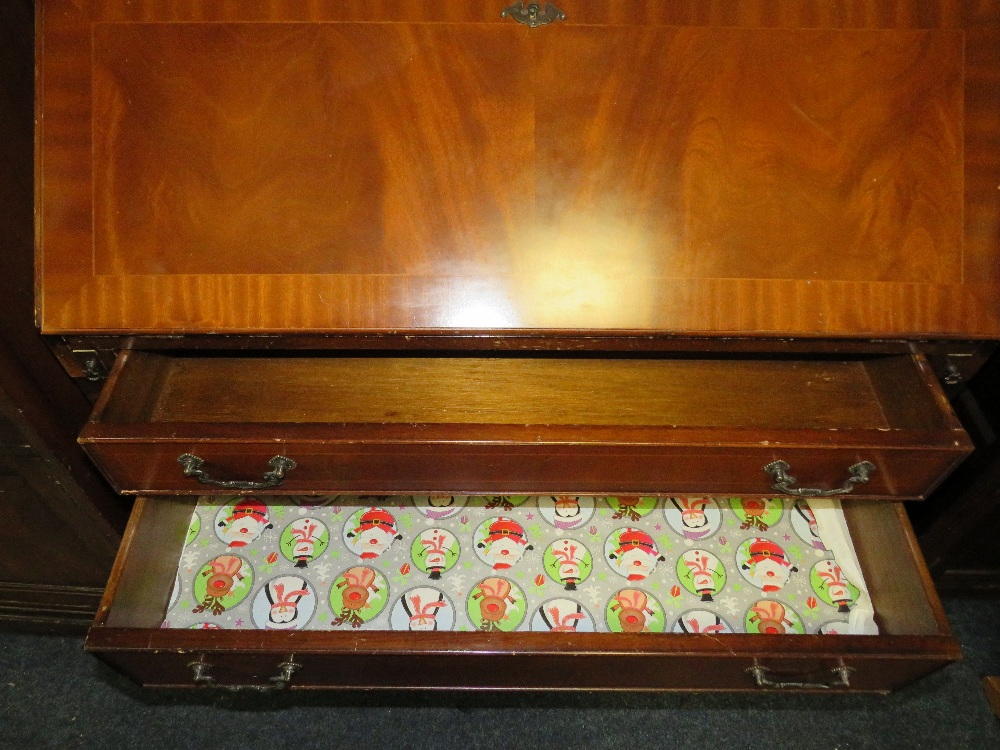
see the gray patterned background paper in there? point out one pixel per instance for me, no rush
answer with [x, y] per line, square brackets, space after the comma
[559, 564]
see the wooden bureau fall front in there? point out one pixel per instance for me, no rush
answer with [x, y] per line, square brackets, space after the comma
[462, 248]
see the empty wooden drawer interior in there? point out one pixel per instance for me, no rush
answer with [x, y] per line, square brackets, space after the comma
[529, 424]
[913, 637]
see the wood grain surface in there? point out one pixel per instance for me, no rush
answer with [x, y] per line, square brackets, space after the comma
[503, 425]
[747, 168]
[502, 391]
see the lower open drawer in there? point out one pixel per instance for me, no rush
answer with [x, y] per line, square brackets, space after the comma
[913, 635]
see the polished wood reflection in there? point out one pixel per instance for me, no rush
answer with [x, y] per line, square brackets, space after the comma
[746, 168]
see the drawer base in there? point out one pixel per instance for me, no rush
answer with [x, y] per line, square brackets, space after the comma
[914, 640]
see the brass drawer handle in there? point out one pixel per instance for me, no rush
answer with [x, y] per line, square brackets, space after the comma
[841, 680]
[533, 15]
[191, 466]
[202, 676]
[860, 473]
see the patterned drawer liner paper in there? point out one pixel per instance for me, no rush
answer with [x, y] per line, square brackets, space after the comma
[559, 564]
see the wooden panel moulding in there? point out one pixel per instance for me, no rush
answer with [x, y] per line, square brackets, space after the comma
[746, 170]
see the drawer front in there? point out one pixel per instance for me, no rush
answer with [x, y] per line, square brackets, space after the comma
[528, 425]
[501, 469]
[525, 662]
[914, 638]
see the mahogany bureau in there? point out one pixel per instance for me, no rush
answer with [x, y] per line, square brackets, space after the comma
[438, 246]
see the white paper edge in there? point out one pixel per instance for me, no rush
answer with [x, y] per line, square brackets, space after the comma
[836, 538]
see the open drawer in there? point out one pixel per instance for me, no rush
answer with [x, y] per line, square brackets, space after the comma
[878, 427]
[913, 635]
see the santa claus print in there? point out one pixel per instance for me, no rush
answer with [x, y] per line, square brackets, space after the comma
[632, 553]
[501, 542]
[370, 532]
[240, 524]
[764, 563]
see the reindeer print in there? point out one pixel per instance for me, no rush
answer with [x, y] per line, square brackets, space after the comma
[359, 594]
[224, 582]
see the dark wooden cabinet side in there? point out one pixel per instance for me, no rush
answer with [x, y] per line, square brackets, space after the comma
[959, 527]
[61, 524]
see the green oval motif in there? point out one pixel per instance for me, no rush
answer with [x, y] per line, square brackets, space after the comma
[496, 604]
[435, 551]
[568, 563]
[304, 540]
[631, 507]
[193, 528]
[830, 585]
[770, 617]
[222, 583]
[757, 513]
[358, 595]
[634, 611]
[701, 573]
[504, 502]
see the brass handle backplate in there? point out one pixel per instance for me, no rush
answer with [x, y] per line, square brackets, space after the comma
[841, 679]
[191, 466]
[860, 473]
[533, 15]
[202, 672]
